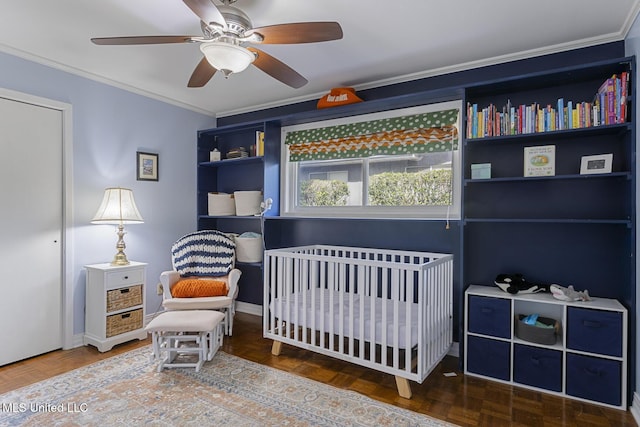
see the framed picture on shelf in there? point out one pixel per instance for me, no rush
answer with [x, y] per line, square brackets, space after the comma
[146, 166]
[600, 163]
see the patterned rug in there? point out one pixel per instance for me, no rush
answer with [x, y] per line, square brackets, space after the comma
[228, 391]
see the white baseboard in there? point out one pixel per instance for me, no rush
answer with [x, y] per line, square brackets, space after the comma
[635, 407]
[245, 307]
[454, 350]
[77, 341]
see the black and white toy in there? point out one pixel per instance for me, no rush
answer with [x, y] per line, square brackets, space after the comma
[515, 283]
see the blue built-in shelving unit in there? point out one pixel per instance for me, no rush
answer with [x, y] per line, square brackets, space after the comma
[569, 229]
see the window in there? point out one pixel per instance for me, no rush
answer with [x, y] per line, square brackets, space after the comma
[401, 163]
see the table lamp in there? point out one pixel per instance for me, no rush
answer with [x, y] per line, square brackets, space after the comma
[118, 207]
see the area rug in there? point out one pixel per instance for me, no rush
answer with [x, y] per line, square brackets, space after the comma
[228, 391]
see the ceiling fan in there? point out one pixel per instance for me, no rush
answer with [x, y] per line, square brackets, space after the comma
[226, 30]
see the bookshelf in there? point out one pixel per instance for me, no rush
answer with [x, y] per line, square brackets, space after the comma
[567, 228]
[254, 172]
[608, 106]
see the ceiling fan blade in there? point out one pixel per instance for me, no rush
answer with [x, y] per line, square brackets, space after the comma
[142, 40]
[202, 74]
[277, 69]
[206, 11]
[299, 32]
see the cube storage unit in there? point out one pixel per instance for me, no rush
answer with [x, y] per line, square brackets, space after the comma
[588, 360]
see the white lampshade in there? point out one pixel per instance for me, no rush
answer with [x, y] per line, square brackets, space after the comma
[117, 207]
[226, 57]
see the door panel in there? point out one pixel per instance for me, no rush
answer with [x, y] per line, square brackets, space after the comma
[30, 230]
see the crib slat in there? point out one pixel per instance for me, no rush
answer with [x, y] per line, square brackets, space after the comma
[385, 297]
[395, 294]
[279, 293]
[321, 288]
[371, 279]
[408, 303]
[349, 328]
[332, 325]
[361, 294]
[296, 298]
[313, 287]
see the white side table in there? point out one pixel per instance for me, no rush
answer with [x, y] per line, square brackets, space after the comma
[114, 310]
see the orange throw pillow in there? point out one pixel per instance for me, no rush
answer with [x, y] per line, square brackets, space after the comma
[194, 288]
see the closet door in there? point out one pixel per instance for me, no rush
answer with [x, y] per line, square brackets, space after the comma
[31, 183]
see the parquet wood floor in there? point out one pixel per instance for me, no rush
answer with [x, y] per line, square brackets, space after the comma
[461, 400]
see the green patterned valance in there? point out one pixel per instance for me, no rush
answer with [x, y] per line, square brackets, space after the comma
[418, 133]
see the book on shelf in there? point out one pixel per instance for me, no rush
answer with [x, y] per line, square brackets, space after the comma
[624, 94]
[608, 106]
[607, 99]
[259, 143]
[540, 160]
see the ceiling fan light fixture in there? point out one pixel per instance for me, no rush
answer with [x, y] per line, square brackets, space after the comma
[226, 57]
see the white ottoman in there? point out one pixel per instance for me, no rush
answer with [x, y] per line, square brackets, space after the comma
[178, 333]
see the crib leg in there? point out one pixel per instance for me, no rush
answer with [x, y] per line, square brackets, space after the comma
[276, 348]
[404, 388]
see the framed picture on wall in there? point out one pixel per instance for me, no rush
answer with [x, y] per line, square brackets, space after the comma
[146, 166]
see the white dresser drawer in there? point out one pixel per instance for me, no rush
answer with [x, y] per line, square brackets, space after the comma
[118, 279]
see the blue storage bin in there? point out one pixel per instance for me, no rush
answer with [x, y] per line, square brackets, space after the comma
[594, 378]
[489, 357]
[537, 367]
[594, 331]
[490, 316]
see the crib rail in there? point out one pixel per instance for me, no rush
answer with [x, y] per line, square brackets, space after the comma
[384, 309]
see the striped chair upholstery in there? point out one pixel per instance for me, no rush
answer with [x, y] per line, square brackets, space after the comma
[209, 253]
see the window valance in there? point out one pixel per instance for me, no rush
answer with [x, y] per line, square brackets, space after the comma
[418, 133]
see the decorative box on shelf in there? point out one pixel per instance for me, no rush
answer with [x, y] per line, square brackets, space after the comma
[481, 171]
[114, 311]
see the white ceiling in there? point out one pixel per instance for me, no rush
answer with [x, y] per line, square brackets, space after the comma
[384, 42]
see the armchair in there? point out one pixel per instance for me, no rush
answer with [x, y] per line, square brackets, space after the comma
[204, 276]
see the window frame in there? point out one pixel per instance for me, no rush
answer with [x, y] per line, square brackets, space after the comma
[289, 175]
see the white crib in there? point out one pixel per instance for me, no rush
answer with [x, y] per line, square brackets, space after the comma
[384, 309]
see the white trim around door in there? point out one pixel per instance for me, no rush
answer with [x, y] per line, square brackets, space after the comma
[67, 208]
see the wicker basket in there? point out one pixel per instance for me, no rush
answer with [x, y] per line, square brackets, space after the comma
[118, 299]
[124, 322]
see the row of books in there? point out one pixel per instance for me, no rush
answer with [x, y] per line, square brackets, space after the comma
[608, 106]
